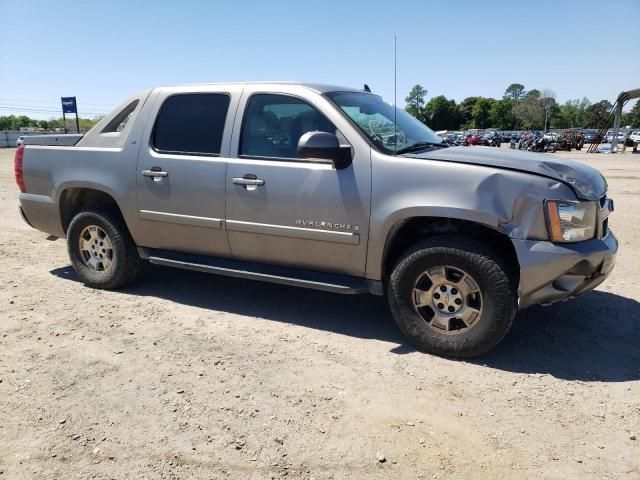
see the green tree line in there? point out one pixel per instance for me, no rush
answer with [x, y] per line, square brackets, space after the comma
[518, 109]
[15, 122]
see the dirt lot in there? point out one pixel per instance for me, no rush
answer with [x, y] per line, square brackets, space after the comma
[186, 375]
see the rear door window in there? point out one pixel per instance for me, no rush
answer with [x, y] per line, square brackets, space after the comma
[191, 124]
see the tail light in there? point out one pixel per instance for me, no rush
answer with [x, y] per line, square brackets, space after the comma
[17, 168]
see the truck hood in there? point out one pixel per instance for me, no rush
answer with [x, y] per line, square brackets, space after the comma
[587, 183]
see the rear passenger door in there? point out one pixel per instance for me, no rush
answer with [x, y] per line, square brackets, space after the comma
[181, 171]
[298, 213]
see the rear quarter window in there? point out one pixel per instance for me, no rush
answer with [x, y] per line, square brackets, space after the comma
[191, 123]
[119, 122]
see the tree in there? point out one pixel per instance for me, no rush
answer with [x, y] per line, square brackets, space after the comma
[441, 114]
[530, 111]
[515, 92]
[415, 101]
[12, 122]
[23, 121]
[502, 114]
[87, 123]
[633, 118]
[571, 114]
[465, 109]
[549, 106]
[596, 115]
[481, 112]
[55, 123]
[5, 122]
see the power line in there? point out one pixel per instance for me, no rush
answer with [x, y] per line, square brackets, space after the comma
[31, 100]
[31, 105]
[36, 110]
[42, 110]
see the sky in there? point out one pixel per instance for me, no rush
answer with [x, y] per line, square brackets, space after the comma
[105, 51]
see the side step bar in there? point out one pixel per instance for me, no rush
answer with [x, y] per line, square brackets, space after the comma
[327, 282]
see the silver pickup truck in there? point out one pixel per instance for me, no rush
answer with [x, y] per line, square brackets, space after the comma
[322, 187]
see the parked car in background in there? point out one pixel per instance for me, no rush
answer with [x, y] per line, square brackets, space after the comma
[454, 138]
[20, 140]
[491, 139]
[472, 139]
[507, 136]
[635, 136]
[551, 136]
[451, 137]
[590, 136]
[621, 136]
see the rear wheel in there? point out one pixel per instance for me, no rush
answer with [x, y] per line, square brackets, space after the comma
[101, 250]
[452, 296]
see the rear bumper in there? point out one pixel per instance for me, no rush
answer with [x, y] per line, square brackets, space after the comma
[41, 213]
[24, 217]
[550, 272]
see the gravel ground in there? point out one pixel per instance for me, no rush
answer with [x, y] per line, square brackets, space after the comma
[188, 375]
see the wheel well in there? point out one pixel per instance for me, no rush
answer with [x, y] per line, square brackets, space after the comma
[411, 231]
[75, 200]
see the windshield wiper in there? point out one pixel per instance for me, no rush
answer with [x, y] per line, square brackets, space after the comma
[420, 146]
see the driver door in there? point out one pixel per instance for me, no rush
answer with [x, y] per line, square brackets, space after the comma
[298, 213]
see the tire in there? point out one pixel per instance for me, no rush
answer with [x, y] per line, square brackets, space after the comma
[496, 307]
[125, 264]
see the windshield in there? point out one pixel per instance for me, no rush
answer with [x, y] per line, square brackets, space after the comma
[375, 118]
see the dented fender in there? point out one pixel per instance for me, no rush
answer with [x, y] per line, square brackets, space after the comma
[510, 202]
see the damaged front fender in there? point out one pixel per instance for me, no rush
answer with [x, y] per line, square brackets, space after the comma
[510, 202]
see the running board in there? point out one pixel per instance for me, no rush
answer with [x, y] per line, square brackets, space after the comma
[327, 282]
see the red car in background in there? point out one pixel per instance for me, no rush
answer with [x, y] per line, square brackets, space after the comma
[473, 139]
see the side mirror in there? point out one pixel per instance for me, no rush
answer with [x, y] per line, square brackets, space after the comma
[324, 146]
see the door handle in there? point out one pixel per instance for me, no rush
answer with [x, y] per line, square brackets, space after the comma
[156, 173]
[248, 180]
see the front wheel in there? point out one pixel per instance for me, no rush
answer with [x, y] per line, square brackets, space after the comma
[101, 250]
[452, 296]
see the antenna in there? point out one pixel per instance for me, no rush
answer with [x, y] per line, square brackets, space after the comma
[395, 94]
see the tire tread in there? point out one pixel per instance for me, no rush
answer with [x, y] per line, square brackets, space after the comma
[131, 264]
[471, 251]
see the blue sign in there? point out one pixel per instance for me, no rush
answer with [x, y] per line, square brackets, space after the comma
[69, 105]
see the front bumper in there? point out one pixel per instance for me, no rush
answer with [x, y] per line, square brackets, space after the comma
[550, 272]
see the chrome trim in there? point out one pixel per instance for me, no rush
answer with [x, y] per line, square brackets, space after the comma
[295, 232]
[191, 220]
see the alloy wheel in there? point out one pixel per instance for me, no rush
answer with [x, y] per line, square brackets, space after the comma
[448, 299]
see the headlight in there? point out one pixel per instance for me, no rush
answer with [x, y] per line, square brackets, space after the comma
[569, 221]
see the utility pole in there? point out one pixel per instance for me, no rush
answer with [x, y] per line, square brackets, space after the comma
[547, 108]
